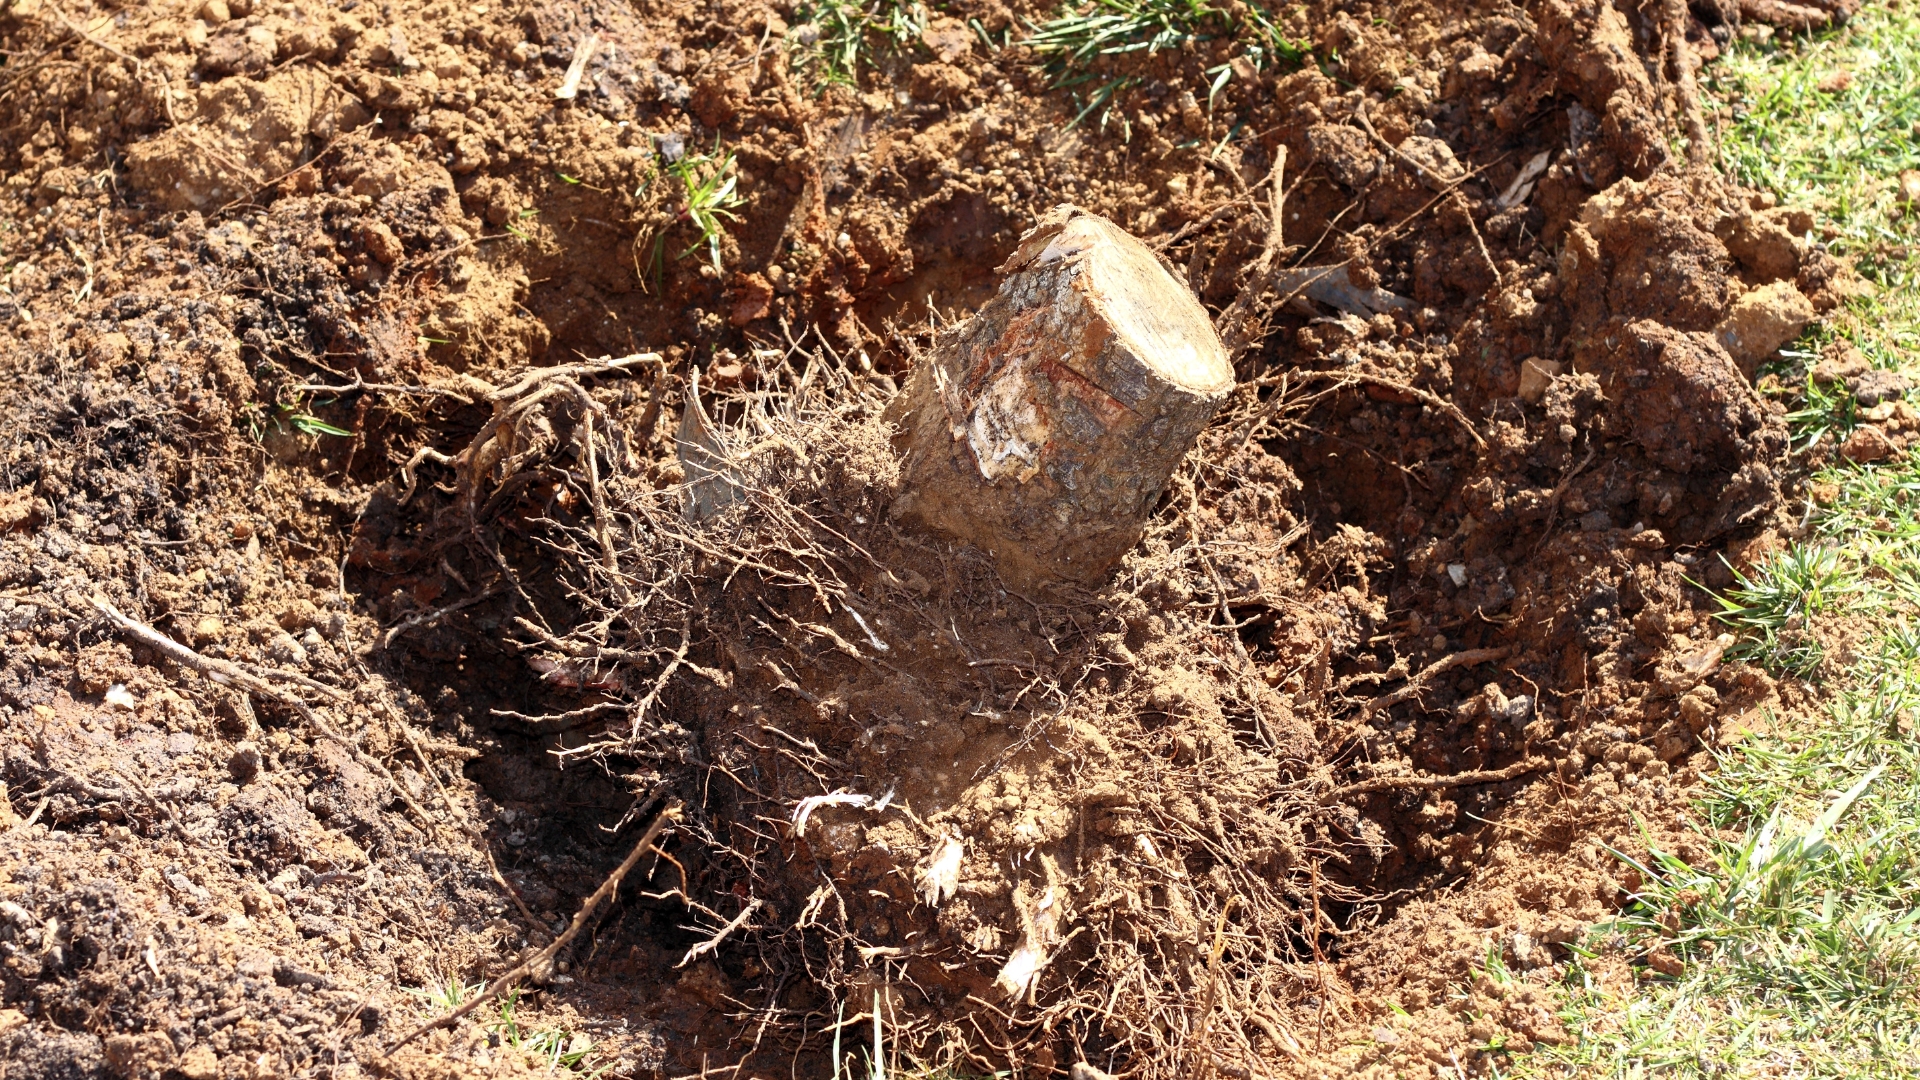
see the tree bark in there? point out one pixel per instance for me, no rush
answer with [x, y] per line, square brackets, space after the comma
[1044, 428]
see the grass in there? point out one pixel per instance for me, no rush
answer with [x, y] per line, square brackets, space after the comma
[1829, 124]
[835, 40]
[1799, 942]
[555, 1048]
[1070, 45]
[1772, 606]
[708, 183]
[262, 419]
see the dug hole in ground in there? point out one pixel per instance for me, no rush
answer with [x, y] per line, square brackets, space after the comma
[456, 532]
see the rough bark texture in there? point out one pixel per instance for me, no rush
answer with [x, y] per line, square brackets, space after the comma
[1043, 429]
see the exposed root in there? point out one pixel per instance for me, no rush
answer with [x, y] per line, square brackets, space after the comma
[1413, 686]
[813, 629]
[539, 966]
[229, 673]
[1430, 783]
[1685, 86]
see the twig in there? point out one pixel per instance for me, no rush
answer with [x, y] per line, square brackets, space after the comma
[1431, 180]
[582, 55]
[1685, 88]
[541, 963]
[1478, 241]
[225, 672]
[493, 867]
[228, 673]
[158, 808]
[1425, 397]
[1233, 323]
[360, 384]
[424, 454]
[1414, 685]
[1247, 670]
[418, 619]
[1553, 501]
[712, 943]
[1485, 776]
[139, 67]
[1203, 1049]
[1426, 175]
[31, 818]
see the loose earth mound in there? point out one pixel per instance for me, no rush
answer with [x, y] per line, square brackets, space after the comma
[359, 620]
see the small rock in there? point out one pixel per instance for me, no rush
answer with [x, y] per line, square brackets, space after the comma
[244, 765]
[752, 299]
[208, 629]
[1840, 362]
[1663, 961]
[215, 12]
[138, 1055]
[1535, 376]
[1909, 191]
[1595, 521]
[1438, 166]
[283, 649]
[1867, 444]
[1762, 321]
[199, 1063]
[258, 964]
[1873, 387]
[380, 243]
[108, 351]
[1698, 708]
[237, 51]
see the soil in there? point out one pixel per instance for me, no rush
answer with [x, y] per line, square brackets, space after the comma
[1413, 646]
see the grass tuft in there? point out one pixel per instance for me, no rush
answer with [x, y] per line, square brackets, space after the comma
[554, 1048]
[833, 41]
[1771, 605]
[1071, 44]
[708, 183]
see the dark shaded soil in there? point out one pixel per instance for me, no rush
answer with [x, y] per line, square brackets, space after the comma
[1458, 537]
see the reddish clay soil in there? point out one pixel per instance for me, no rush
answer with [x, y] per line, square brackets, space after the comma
[1412, 641]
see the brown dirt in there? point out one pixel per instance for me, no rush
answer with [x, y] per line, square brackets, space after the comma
[1459, 539]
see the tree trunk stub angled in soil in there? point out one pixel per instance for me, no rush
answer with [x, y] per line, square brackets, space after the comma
[1043, 428]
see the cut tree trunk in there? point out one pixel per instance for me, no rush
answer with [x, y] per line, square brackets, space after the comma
[1044, 428]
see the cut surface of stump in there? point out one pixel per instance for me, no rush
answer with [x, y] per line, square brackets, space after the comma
[1044, 428]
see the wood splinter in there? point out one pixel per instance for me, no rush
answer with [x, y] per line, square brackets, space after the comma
[1043, 429]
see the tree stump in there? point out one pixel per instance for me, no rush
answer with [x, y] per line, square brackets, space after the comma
[1044, 428]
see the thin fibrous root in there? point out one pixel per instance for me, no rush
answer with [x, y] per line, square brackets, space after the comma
[1416, 783]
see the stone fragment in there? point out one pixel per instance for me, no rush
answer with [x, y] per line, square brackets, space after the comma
[1761, 321]
[1867, 444]
[1535, 376]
